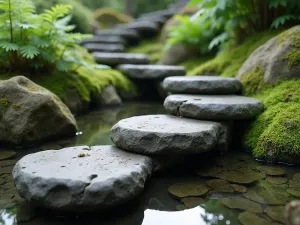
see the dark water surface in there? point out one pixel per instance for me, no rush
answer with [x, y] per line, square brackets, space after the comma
[156, 206]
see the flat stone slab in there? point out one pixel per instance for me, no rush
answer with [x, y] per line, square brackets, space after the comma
[114, 59]
[143, 27]
[214, 107]
[95, 47]
[131, 36]
[165, 134]
[202, 85]
[81, 178]
[156, 72]
[109, 39]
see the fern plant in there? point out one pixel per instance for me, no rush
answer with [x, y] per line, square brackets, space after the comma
[232, 21]
[31, 42]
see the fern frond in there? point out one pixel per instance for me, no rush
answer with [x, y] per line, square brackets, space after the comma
[56, 12]
[9, 46]
[29, 52]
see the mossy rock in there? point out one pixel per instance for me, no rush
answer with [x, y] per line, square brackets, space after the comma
[272, 171]
[182, 190]
[241, 178]
[294, 191]
[220, 186]
[242, 204]
[109, 18]
[250, 218]
[276, 213]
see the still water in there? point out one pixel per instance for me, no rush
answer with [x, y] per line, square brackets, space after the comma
[260, 202]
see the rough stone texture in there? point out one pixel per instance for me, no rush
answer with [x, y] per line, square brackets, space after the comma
[114, 59]
[177, 54]
[213, 107]
[103, 177]
[271, 57]
[30, 113]
[202, 85]
[109, 96]
[164, 134]
[108, 39]
[131, 36]
[75, 102]
[157, 72]
[95, 47]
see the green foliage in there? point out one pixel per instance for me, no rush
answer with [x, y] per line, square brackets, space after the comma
[82, 16]
[229, 22]
[31, 43]
[228, 62]
[153, 48]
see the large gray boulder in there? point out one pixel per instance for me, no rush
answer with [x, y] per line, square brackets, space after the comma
[202, 85]
[81, 178]
[214, 107]
[277, 58]
[114, 59]
[30, 113]
[153, 72]
[165, 134]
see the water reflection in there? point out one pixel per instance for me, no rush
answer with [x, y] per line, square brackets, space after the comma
[8, 217]
[210, 213]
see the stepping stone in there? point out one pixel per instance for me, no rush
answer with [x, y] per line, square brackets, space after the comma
[81, 178]
[4, 155]
[165, 13]
[147, 72]
[159, 20]
[131, 36]
[110, 39]
[202, 85]
[114, 59]
[214, 107]
[94, 47]
[165, 134]
[144, 28]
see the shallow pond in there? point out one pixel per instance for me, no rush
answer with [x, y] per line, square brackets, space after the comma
[208, 189]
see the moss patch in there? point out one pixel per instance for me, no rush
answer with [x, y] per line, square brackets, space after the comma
[109, 18]
[4, 103]
[253, 81]
[153, 48]
[229, 61]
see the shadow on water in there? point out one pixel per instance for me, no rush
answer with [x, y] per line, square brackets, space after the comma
[155, 206]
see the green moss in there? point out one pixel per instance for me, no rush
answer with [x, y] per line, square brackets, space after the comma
[229, 61]
[253, 81]
[193, 63]
[293, 36]
[109, 18]
[16, 106]
[4, 103]
[153, 48]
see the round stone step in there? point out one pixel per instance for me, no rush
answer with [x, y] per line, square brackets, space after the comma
[144, 28]
[114, 59]
[214, 107]
[155, 72]
[95, 47]
[111, 39]
[202, 85]
[160, 20]
[81, 178]
[165, 134]
[131, 36]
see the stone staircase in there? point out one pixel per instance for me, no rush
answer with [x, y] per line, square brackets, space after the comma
[84, 178]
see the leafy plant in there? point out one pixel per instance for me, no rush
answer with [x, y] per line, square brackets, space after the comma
[31, 42]
[234, 20]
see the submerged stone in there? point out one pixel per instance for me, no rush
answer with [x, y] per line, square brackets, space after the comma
[214, 107]
[220, 186]
[4, 155]
[81, 178]
[267, 197]
[165, 134]
[277, 180]
[114, 59]
[277, 213]
[239, 188]
[272, 171]
[202, 85]
[250, 218]
[210, 171]
[241, 178]
[294, 191]
[157, 72]
[242, 204]
[190, 202]
[182, 190]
